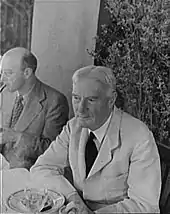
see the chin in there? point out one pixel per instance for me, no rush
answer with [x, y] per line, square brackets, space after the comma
[11, 90]
[82, 123]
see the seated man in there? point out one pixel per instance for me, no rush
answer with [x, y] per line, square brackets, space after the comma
[112, 155]
[36, 113]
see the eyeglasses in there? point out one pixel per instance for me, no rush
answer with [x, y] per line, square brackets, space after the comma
[6, 72]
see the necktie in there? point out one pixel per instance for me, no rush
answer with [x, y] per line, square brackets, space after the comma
[16, 111]
[90, 152]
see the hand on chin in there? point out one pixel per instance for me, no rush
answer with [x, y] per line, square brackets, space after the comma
[81, 122]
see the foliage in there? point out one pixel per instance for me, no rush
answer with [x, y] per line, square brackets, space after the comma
[136, 45]
[15, 26]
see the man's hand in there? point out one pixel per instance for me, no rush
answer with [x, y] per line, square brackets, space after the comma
[10, 135]
[75, 206]
[19, 148]
[9, 139]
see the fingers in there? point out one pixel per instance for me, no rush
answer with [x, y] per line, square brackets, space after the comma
[9, 130]
[4, 128]
[69, 209]
[72, 212]
[62, 210]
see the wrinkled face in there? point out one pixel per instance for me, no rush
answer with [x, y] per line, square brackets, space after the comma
[91, 104]
[12, 75]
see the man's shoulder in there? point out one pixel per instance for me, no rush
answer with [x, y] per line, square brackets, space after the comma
[51, 93]
[134, 130]
[132, 123]
[127, 121]
[50, 89]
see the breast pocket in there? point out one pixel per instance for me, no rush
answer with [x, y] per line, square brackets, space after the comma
[116, 181]
[115, 187]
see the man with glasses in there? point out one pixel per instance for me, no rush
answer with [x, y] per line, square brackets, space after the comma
[113, 156]
[36, 113]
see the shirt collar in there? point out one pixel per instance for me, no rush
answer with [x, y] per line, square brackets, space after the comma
[100, 132]
[26, 96]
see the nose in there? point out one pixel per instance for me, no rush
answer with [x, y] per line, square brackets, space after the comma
[82, 106]
[3, 77]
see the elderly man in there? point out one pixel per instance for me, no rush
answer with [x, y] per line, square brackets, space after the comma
[112, 155]
[36, 113]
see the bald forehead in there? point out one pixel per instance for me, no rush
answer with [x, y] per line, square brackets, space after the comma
[11, 61]
[13, 57]
[16, 53]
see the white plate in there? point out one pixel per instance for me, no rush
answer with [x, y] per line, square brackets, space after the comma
[15, 204]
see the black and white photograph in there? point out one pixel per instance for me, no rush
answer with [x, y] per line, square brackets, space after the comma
[84, 106]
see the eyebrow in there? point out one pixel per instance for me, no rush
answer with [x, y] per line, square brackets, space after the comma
[5, 70]
[92, 97]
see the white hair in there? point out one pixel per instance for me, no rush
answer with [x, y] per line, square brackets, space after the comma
[99, 73]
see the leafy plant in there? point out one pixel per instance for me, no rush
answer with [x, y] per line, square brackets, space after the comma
[15, 23]
[136, 45]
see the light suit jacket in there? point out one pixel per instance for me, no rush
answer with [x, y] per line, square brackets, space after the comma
[126, 175]
[42, 119]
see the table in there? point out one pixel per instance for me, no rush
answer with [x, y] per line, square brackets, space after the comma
[13, 180]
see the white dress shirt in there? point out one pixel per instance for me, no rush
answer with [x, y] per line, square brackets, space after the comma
[100, 132]
[26, 96]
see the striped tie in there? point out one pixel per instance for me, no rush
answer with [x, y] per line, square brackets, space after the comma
[16, 111]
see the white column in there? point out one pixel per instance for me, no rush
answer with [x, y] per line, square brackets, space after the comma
[61, 34]
[0, 117]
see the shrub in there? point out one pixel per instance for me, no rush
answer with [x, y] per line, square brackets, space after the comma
[135, 43]
[15, 24]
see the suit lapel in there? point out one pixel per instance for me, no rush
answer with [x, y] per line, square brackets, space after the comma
[78, 139]
[32, 108]
[7, 106]
[111, 142]
[81, 153]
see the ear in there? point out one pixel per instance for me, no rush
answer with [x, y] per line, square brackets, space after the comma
[27, 73]
[112, 99]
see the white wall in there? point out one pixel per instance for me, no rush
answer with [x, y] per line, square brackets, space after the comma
[62, 32]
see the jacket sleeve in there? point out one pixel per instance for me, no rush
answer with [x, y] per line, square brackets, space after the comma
[29, 147]
[49, 167]
[144, 181]
[56, 118]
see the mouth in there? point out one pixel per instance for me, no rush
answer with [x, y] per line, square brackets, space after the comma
[82, 117]
[7, 84]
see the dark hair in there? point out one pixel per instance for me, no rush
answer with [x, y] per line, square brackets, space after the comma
[29, 61]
